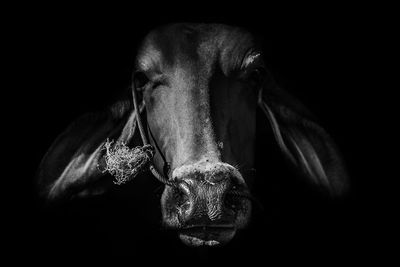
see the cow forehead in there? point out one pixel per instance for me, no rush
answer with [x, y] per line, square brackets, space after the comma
[196, 45]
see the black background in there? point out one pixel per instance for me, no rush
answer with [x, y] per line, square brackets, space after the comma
[71, 60]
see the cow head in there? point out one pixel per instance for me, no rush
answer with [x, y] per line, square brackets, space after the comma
[199, 86]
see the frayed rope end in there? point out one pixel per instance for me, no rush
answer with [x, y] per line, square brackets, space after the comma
[125, 163]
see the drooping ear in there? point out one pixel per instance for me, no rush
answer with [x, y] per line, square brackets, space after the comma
[72, 166]
[306, 144]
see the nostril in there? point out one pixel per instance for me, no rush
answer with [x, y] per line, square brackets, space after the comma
[179, 196]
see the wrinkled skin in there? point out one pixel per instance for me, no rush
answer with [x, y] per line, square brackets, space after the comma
[201, 108]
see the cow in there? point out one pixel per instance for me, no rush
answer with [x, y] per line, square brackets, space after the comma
[197, 87]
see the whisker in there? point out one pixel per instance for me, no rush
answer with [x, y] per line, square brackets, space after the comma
[237, 166]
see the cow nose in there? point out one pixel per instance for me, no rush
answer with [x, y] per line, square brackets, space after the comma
[201, 197]
[184, 199]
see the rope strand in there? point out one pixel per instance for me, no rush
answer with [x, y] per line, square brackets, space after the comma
[152, 168]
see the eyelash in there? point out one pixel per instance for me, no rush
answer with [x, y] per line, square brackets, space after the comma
[142, 82]
[156, 84]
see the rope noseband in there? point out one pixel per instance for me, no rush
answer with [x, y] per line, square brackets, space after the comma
[153, 170]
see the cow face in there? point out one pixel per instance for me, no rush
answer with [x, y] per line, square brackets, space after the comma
[199, 87]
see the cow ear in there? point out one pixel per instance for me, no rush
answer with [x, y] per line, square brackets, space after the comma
[306, 144]
[72, 166]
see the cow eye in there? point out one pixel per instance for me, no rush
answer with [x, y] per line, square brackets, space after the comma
[256, 76]
[140, 80]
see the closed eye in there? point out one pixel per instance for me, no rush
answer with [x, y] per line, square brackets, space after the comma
[159, 81]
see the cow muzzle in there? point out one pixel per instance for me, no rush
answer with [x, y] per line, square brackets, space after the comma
[207, 207]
